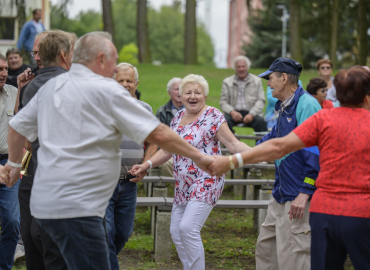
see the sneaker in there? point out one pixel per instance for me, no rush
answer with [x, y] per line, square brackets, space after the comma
[19, 252]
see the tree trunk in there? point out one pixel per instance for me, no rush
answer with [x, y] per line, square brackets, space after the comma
[362, 32]
[108, 18]
[21, 14]
[295, 41]
[333, 41]
[142, 33]
[190, 54]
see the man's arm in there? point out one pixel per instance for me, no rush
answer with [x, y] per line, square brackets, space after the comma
[307, 106]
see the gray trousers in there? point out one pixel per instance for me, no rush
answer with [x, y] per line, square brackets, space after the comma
[284, 244]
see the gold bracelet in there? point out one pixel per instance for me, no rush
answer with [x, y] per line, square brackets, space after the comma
[232, 165]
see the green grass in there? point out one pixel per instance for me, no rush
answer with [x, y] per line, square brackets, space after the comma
[154, 79]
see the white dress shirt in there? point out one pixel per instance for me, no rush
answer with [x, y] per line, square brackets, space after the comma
[79, 118]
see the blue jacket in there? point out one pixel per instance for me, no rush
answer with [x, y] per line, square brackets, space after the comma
[296, 172]
[27, 36]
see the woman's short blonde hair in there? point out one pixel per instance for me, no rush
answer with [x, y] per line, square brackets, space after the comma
[192, 78]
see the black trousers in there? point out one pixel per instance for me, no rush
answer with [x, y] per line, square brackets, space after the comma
[36, 258]
[333, 237]
[258, 123]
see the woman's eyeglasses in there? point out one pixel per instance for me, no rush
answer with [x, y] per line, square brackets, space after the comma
[325, 67]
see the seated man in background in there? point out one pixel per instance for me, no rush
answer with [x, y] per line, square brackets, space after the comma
[317, 87]
[242, 97]
[16, 65]
[166, 113]
[120, 213]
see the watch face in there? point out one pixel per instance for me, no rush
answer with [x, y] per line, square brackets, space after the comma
[232, 166]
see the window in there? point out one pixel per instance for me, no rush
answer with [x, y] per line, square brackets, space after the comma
[7, 27]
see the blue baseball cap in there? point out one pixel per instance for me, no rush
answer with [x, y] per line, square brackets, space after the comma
[283, 65]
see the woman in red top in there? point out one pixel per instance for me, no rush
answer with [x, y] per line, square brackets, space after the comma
[340, 207]
[317, 87]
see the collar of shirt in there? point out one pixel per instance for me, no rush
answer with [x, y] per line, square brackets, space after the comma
[4, 91]
[287, 102]
[178, 109]
[242, 80]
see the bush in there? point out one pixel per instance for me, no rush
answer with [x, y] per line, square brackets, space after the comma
[129, 54]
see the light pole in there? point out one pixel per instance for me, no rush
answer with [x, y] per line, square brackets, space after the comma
[284, 19]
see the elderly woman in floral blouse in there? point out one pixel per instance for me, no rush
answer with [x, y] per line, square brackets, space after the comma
[196, 191]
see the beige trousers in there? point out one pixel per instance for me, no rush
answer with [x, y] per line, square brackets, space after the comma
[166, 168]
[283, 244]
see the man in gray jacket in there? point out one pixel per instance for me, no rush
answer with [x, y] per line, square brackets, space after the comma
[242, 97]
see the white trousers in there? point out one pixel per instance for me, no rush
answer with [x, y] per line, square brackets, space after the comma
[186, 224]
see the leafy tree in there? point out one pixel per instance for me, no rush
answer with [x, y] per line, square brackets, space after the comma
[165, 28]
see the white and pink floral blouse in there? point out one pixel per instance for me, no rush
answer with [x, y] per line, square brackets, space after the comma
[192, 182]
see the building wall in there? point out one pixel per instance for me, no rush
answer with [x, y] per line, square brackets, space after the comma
[8, 10]
[239, 30]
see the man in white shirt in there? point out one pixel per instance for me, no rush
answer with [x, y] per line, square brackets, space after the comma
[79, 118]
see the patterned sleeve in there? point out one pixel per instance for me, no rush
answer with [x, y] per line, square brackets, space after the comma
[219, 117]
[309, 131]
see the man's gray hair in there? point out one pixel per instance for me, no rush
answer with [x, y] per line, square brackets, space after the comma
[3, 57]
[171, 83]
[293, 79]
[90, 45]
[242, 57]
[126, 66]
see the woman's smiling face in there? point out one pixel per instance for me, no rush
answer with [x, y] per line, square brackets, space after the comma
[193, 97]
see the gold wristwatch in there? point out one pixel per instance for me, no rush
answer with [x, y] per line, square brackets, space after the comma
[232, 165]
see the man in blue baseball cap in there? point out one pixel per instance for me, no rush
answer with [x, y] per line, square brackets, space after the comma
[285, 237]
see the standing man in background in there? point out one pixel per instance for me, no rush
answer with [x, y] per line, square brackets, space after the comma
[28, 33]
[9, 205]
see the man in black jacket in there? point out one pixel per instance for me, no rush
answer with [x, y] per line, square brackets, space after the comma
[55, 53]
[166, 112]
[16, 65]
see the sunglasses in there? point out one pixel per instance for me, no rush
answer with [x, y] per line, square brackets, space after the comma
[34, 53]
[325, 68]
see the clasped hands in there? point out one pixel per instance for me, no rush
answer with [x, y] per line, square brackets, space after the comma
[9, 175]
[213, 165]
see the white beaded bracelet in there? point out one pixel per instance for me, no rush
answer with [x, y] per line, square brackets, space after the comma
[15, 165]
[240, 159]
[150, 163]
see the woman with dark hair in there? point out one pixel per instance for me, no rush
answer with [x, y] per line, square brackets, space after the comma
[317, 87]
[340, 207]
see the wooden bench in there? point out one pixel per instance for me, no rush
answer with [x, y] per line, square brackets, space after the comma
[163, 205]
